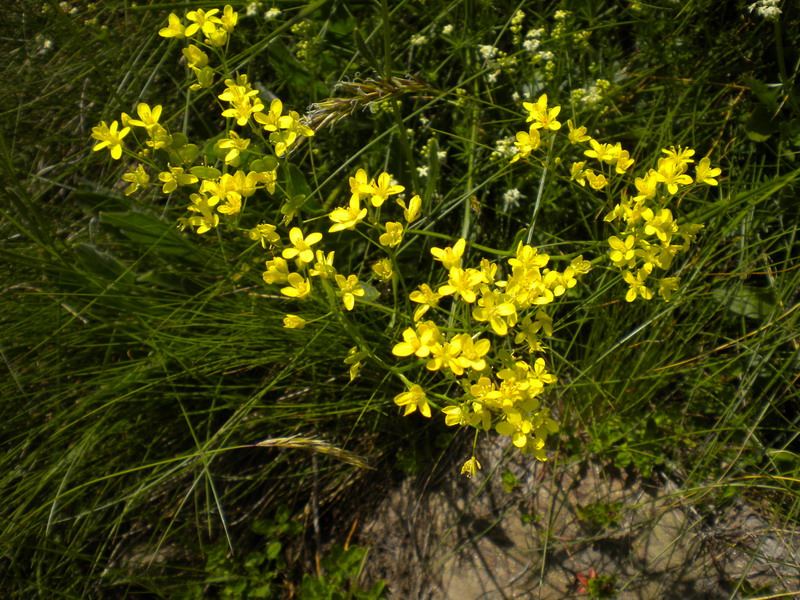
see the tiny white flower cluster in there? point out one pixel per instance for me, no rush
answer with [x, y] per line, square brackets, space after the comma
[418, 39]
[532, 41]
[545, 55]
[504, 148]
[511, 199]
[447, 29]
[272, 13]
[768, 9]
[487, 52]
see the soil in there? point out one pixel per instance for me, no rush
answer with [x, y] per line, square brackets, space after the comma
[551, 528]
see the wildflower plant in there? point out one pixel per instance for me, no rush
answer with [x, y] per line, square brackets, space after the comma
[471, 339]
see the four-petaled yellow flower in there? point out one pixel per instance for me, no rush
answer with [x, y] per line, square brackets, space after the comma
[393, 235]
[301, 247]
[383, 189]
[705, 174]
[110, 138]
[298, 286]
[350, 288]
[294, 322]
[347, 218]
[414, 399]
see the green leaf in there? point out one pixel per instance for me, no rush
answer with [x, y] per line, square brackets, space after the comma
[268, 163]
[748, 301]
[205, 172]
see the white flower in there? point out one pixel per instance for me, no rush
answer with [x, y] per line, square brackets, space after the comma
[251, 9]
[511, 199]
[441, 155]
[545, 55]
[422, 171]
[418, 39]
[492, 77]
[767, 9]
[531, 45]
[272, 13]
[447, 29]
[487, 52]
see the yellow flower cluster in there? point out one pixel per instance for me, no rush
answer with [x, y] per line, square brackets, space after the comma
[649, 232]
[500, 391]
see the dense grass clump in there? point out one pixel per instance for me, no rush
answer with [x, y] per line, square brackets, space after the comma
[167, 430]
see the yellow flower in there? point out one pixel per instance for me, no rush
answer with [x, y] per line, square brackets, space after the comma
[148, 118]
[470, 467]
[541, 116]
[667, 286]
[229, 18]
[383, 269]
[347, 218]
[324, 266]
[393, 235]
[638, 287]
[462, 282]
[176, 29]
[495, 308]
[414, 399]
[383, 189]
[195, 58]
[350, 288]
[705, 174]
[598, 182]
[450, 257]
[426, 298]
[294, 322]
[577, 134]
[137, 178]
[109, 138]
[420, 343]
[301, 246]
[622, 253]
[526, 143]
[277, 271]
[602, 152]
[264, 233]
[175, 177]
[672, 174]
[411, 212]
[298, 287]
[234, 144]
[270, 120]
[359, 185]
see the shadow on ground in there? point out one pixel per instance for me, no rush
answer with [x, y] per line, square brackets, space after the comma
[540, 530]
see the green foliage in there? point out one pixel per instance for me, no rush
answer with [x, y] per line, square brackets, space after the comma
[339, 580]
[600, 515]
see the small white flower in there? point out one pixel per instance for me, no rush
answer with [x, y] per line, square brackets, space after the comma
[511, 199]
[272, 13]
[515, 97]
[545, 55]
[487, 52]
[447, 29]
[418, 39]
[424, 121]
[422, 171]
[251, 9]
[531, 45]
[492, 77]
[766, 9]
